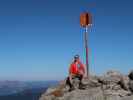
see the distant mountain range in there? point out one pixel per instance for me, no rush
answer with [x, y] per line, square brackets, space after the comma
[29, 90]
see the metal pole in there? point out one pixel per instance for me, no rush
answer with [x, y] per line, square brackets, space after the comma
[86, 48]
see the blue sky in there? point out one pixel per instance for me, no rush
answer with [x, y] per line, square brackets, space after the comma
[38, 38]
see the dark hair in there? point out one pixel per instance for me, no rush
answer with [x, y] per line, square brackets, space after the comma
[76, 57]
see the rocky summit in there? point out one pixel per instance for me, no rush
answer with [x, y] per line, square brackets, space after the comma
[111, 86]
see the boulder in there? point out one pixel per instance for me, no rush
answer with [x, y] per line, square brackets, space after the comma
[91, 82]
[131, 85]
[131, 75]
[110, 77]
[124, 82]
[109, 80]
[112, 73]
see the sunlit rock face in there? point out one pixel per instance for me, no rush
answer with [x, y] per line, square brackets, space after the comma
[111, 86]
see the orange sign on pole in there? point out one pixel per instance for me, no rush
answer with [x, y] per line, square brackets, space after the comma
[85, 19]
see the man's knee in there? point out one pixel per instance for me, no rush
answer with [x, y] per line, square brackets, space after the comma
[80, 77]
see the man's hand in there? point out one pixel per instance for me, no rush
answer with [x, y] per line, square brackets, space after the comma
[81, 72]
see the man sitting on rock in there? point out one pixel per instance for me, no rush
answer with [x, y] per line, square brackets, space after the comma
[76, 70]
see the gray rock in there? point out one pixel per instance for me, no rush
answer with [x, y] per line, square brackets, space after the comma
[90, 94]
[131, 85]
[127, 98]
[111, 97]
[131, 75]
[45, 97]
[120, 92]
[92, 82]
[112, 73]
[110, 77]
[109, 80]
[49, 90]
[125, 82]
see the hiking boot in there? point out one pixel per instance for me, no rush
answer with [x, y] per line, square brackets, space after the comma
[71, 89]
[82, 88]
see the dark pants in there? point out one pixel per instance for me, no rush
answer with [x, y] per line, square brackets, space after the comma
[68, 81]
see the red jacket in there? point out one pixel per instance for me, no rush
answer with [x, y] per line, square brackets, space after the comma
[76, 68]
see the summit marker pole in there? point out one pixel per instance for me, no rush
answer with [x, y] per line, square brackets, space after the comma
[85, 22]
[86, 48]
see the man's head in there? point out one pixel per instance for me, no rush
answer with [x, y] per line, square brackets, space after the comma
[76, 58]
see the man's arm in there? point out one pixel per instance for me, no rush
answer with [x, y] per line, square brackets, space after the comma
[82, 67]
[70, 69]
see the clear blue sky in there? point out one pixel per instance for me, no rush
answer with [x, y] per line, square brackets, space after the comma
[38, 38]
